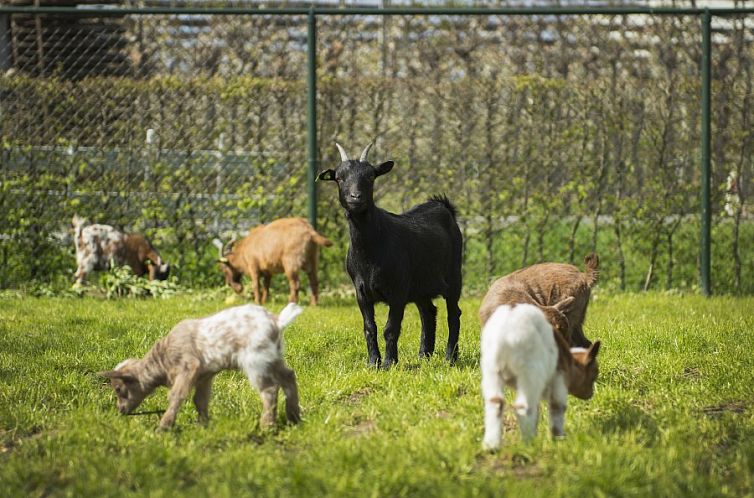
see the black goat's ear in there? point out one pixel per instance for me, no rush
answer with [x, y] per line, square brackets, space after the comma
[327, 175]
[383, 168]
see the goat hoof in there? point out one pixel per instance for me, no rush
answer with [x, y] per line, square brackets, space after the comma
[491, 446]
[375, 361]
[425, 355]
[266, 423]
[293, 416]
[389, 363]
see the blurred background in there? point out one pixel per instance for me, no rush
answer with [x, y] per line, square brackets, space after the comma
[554, 135]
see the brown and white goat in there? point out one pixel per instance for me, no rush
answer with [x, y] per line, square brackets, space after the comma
[287, 245]
[247, 337]
[520, 349]
[97, 245]
[545, 285]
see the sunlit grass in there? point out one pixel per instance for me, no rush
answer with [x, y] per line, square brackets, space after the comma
[673, 414]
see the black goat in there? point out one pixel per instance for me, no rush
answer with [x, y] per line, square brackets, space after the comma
[399, 258]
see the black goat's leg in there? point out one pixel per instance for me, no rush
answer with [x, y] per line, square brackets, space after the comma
[454, 326]
[392, 332]
[428, 315]
[370, 330]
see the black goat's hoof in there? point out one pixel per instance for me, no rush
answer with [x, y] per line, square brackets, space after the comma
[389, 363]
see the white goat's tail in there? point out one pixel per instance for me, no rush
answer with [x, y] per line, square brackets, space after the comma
[289, 313]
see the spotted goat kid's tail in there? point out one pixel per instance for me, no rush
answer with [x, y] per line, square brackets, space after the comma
[289, 313]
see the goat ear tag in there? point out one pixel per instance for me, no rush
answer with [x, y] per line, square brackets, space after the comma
[223, 260]
[327, 175]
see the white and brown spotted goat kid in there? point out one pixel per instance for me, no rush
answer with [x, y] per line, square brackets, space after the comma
[98, 245]
[248, 338]
[521, 350]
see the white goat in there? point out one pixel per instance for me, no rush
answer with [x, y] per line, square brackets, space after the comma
[248, 338]
[521, 350]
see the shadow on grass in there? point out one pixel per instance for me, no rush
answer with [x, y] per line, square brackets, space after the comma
[628, 417]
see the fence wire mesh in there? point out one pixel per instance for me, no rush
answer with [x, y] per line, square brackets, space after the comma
[553, 135]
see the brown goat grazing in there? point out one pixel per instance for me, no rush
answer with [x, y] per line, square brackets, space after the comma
[546, 285]
[287, 245]
[97, 245]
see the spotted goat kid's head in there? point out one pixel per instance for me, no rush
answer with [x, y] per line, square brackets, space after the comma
[127, 387]
[355, 179]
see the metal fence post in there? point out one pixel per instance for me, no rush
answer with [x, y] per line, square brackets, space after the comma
[5, 41]
[705, 236]
[312, 115]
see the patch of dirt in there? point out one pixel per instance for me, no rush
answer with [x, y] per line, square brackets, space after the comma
[517, 465]
[9, 441]
[738, 406]
[359, 394]
[255, 439]
[361, 427]
[692, 373]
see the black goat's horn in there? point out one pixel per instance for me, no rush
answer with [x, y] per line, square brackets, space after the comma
[343, 154]
[364, 154]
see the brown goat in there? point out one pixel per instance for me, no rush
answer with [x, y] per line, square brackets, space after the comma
[287, 245]
[546, 285]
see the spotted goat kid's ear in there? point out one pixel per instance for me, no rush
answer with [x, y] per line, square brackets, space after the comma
[115, 374]
[327, 175]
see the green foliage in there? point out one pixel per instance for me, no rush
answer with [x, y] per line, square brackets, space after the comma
[587, 142]
[120, 281]
[671, 416]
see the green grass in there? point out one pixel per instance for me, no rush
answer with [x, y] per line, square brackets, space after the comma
[673, 413]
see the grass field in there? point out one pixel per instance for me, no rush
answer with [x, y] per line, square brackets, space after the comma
[673, 413]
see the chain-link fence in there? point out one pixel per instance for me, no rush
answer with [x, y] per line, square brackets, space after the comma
[554, 135]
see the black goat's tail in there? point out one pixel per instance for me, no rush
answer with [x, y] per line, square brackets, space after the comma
[443, 199]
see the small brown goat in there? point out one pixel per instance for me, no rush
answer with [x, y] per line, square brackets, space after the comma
[546, 285]
[287, 245]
